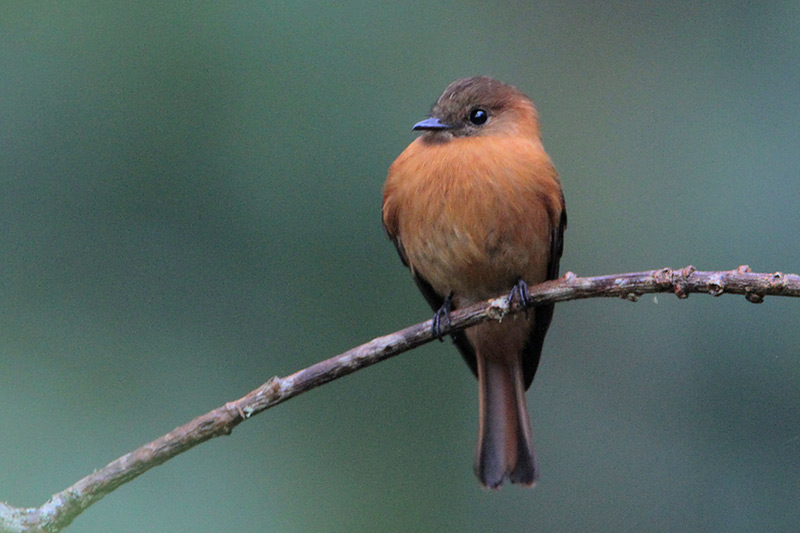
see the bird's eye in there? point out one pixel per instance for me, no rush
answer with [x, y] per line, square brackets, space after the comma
[478, 116]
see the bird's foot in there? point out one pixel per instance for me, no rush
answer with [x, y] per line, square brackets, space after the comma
[441, 318]
[520, 290]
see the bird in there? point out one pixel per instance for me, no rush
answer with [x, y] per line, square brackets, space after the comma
[475, 209]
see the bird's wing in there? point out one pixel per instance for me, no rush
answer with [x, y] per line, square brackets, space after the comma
[544, 313]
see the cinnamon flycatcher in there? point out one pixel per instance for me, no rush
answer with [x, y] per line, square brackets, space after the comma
[475, 209]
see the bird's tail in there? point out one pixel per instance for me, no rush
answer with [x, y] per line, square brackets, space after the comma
[505, 439]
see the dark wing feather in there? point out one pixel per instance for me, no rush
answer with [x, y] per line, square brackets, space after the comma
[544, 313]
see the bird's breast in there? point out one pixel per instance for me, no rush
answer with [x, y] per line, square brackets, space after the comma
[474, 214]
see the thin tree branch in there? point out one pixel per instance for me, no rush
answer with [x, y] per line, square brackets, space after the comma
[61, 509]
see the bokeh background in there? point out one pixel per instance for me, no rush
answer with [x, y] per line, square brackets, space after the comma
[190, 203]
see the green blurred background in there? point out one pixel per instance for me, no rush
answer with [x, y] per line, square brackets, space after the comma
[190, 203]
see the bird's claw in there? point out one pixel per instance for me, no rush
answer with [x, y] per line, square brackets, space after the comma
[441, 319]
[520, 290]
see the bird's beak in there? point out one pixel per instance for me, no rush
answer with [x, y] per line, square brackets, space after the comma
[431, 124]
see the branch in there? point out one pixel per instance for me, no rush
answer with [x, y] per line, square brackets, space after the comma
[62, 508]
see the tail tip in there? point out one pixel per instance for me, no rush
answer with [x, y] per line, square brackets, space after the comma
[525, 475]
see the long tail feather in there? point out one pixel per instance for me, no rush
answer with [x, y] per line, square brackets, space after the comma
[505, 440]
